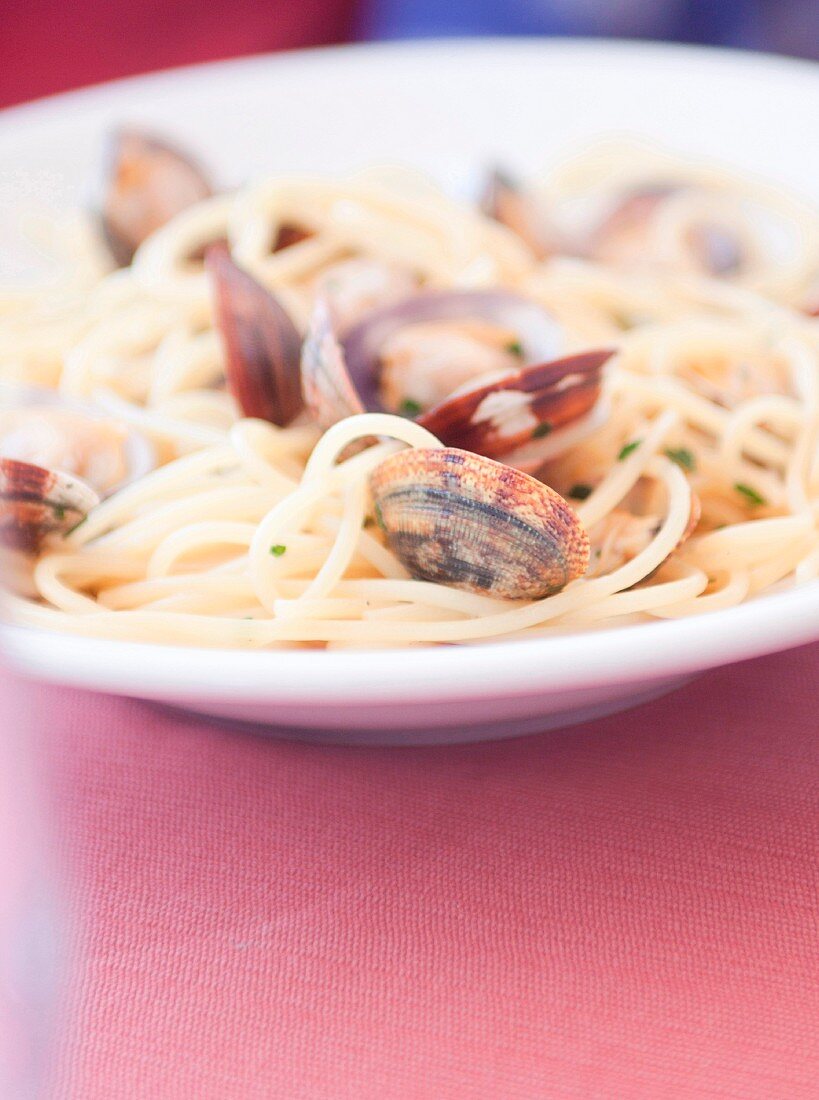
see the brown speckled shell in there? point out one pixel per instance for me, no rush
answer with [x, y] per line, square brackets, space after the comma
[36, 503]
[456, 518]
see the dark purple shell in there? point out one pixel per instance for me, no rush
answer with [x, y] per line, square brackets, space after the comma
[262, 345]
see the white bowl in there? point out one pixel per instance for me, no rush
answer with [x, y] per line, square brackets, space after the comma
[448, 108]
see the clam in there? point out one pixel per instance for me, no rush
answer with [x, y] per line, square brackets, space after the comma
[622, 234]
[57, 460]
[262, 345]
[327, 387]
[289, 234]
[622, 237]
[457, 518]
[627, 530]
[506, 202]
[37, 504]
[495, 415]
[149, 183]
[354, 286]
[502, 415]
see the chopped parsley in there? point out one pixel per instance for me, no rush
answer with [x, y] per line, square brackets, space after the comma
[59, 512]
[514, 347]
[541, 430]
[751, 495]
[682, 456]
[580, 491]
[379, 518]
[410, 407]
[278, 550]
[628, 449]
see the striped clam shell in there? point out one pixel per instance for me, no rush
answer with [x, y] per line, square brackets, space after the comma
[36, 504]
[456, 518]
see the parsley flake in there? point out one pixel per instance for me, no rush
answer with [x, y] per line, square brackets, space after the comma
[682, 456]
[278, 550]
[628, 449]
[541, 430]
[580, 492]
[409, 407]
[514, 347]
[751, 495]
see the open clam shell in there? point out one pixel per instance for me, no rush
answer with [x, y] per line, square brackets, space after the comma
[503, 414]
[262, 345]
[37, 504]
[463, 520]
[327, 388]
[149, 182]
[629, 528]
[340, 376]
[32, 419]
[622, 234]
[540, 336]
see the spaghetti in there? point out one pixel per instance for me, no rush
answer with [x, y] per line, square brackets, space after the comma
[696, 477]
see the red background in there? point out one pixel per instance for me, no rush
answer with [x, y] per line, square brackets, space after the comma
[51, 45]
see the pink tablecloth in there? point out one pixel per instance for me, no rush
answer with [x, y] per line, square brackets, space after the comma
[624, 909]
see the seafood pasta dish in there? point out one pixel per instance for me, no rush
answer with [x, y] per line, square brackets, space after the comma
[357, 412]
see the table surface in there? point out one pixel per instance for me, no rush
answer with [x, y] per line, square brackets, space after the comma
[623, 909]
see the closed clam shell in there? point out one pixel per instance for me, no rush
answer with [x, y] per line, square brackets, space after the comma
[456, 518]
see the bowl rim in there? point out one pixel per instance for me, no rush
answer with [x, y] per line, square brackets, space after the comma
[633, 653]
[618, 655]
[648, 51]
